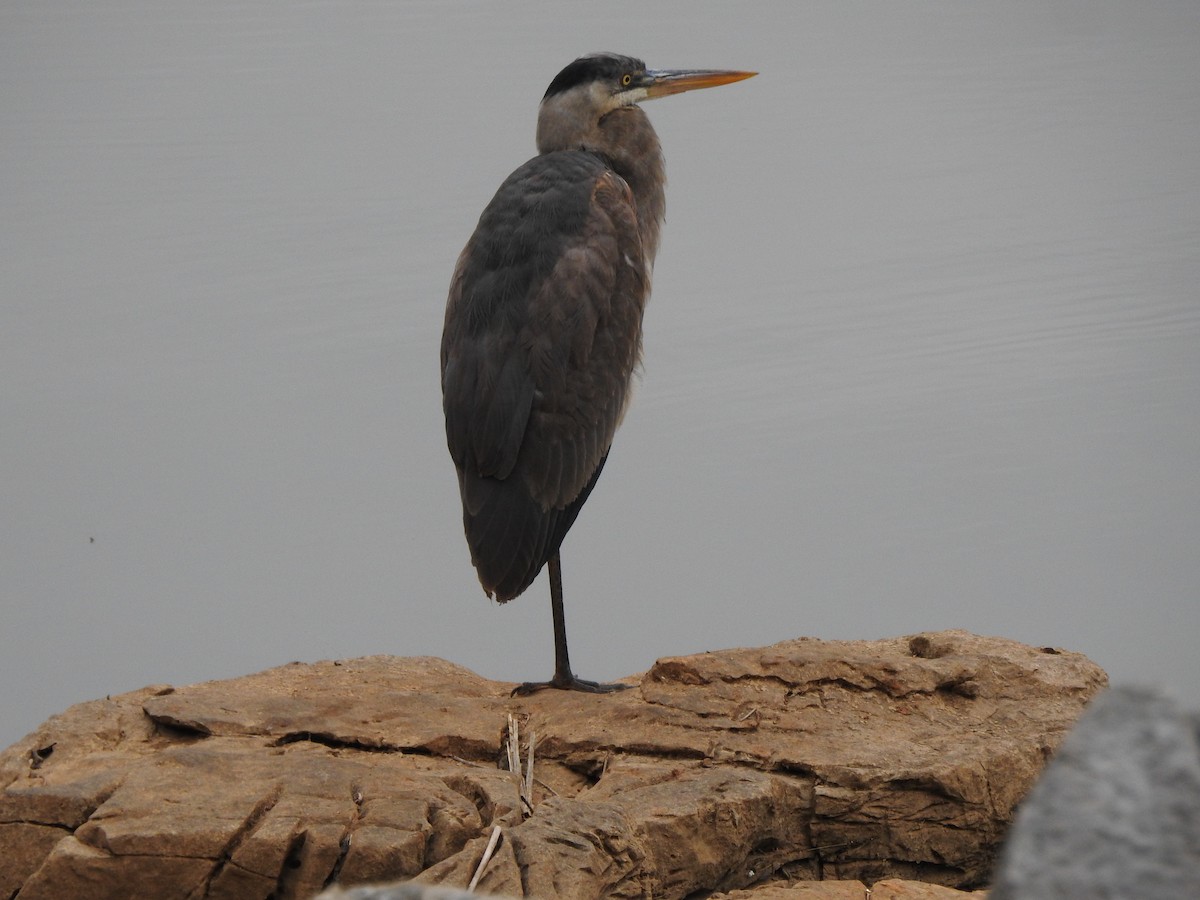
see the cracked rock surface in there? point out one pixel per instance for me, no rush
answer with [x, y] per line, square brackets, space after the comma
[736, 772]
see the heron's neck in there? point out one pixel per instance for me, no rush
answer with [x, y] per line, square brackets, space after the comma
[626, 139]
[629, 143]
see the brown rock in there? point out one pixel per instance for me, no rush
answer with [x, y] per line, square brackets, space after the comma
[401, 891]
[803, 890]
[718, 772]
[891, 889]
[895, 889]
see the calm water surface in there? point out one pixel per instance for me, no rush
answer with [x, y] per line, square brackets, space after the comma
[923, 353]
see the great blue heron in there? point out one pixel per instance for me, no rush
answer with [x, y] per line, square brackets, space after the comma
[544, 323]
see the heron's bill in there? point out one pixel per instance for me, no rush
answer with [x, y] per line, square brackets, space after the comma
[664, 82]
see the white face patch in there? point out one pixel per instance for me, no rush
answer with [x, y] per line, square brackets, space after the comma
[608, 101]
[632, 96]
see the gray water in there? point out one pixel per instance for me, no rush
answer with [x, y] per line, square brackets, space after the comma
[923, 352]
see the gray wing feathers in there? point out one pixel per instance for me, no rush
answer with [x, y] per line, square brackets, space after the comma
[584, 340]
[543, 333]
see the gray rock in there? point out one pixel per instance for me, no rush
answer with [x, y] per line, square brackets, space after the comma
[1116, 813]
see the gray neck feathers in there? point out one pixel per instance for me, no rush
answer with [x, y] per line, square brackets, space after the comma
[625, 138]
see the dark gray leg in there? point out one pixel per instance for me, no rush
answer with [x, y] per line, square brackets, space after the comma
[564, 678]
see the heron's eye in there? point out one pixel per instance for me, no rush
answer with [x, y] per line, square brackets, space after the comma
[626, 80]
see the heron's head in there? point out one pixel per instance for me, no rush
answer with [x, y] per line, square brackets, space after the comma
[593, 86]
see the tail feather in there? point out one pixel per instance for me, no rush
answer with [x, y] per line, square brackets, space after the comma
[510, 534]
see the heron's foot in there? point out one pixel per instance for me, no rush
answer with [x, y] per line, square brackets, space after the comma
[568, 683]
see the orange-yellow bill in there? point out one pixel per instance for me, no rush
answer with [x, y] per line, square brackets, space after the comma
[664, 82]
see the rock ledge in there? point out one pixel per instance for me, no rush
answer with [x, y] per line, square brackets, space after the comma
[734, 771]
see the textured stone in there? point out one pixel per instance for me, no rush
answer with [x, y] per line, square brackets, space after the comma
[1117, 813]
[406, 891]
[803, 890]
[895, 889]
[730, 770]
[890, 889]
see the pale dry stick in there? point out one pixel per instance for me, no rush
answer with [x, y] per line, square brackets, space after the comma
[469, 762]
[527, 784]
[487, 856]
[514, 747]
[514, 762]
[545, 787]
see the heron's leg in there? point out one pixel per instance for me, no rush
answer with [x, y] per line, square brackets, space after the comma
[564, 678]
[562, 660]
